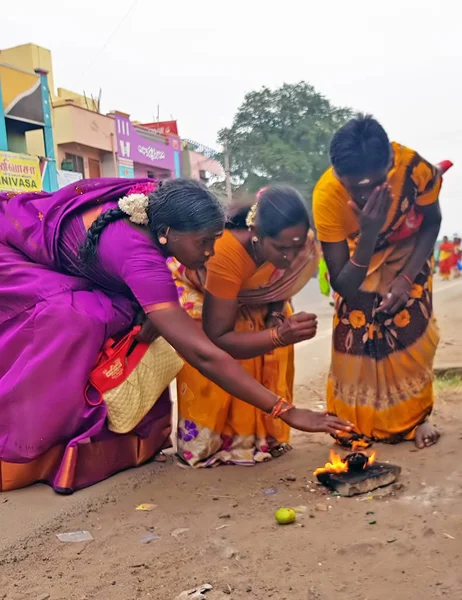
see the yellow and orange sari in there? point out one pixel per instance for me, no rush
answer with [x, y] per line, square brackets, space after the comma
[446, 259]
[214, 427]
[382, 366]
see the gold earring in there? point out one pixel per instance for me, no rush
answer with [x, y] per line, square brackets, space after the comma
[255, 239]
[163, 238]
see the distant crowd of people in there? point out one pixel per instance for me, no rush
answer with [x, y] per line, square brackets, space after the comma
[450, 257]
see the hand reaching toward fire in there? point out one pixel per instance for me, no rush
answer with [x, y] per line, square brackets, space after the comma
[310, 421]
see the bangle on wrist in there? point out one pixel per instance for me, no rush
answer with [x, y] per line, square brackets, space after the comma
[355, 264]
[408, 279]
[276, 338]
[282, 406]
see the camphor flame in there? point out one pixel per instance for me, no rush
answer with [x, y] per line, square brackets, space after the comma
[371, 460]
[359, 445]
[337, 464]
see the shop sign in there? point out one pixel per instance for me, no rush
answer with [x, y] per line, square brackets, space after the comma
[133, 146]
[19, 172]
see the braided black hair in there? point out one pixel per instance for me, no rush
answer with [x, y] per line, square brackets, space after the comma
[181, 204]
[87, 252]
[360, 147]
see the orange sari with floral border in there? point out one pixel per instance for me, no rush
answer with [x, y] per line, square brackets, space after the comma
[382, 367]
[214, 427]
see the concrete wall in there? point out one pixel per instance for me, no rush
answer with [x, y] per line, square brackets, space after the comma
[198, 162]
[141, 171]
[84, 151]
[79, 125]
[30, 57]
[77, 99]
[107, 166]
[16, 138]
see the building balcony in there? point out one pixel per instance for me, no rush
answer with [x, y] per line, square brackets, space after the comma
[76, 125]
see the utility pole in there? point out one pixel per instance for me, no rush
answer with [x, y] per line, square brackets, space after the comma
[229, 191]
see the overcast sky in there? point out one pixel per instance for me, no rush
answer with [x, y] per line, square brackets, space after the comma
[398, 59]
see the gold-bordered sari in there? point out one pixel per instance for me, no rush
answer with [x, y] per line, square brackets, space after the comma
[214, 427]
[382, 366]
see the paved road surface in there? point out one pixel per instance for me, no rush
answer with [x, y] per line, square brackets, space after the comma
[24, 511]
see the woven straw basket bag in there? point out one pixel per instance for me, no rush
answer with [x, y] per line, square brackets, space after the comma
[130, 383]
[130, 402]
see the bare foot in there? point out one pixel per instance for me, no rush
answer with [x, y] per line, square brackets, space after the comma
[160, 457]
[278, 451]
[426, 435]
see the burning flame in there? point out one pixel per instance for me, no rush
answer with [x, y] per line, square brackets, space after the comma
[359, 445]
[337, 464]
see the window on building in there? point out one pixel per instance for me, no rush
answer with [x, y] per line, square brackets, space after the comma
[151, 174]
[73, 162]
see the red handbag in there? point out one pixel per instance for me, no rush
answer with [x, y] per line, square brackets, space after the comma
[116, 362]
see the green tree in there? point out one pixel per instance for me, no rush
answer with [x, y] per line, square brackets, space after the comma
[283, 136]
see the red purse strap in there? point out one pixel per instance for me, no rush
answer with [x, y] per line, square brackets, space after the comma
[100, 399]
[109, 349]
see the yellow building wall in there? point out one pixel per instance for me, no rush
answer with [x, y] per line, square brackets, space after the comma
[78, 99]
[30, 57]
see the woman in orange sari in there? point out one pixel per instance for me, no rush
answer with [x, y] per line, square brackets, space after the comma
[265, 256]
[377, 215]
[457, 257]
[446, 258]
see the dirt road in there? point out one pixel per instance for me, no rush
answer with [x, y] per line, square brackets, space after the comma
[405, 542]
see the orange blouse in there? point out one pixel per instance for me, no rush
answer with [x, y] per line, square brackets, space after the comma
[232, 269]
[410, 175]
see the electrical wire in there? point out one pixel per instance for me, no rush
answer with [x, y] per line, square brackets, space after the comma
[109, 39]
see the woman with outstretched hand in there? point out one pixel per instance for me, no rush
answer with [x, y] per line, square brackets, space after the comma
[76, 268]
[266, 255]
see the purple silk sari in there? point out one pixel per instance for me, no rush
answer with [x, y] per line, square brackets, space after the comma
[52, 327]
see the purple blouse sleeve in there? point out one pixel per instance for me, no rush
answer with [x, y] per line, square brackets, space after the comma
[134, 259]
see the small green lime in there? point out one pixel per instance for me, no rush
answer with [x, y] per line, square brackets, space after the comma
[284, 516]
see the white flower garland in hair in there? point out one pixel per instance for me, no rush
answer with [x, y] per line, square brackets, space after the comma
[135, 206]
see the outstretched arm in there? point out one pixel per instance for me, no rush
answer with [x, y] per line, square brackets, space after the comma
[174, 324]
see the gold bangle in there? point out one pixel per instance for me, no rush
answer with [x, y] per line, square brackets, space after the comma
[281, 407]
[276, 338]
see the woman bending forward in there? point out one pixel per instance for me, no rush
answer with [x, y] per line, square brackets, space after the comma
[377, 215]
[76, 267]
[265, 256]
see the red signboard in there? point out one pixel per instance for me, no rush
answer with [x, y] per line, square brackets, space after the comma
[163, 127]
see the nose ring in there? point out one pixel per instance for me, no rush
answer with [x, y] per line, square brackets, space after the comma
[207, 253]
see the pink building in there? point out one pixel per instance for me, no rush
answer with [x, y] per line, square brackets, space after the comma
[85, 140]
[200, 162]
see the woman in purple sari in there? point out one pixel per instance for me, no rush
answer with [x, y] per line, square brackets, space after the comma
[76, 267]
